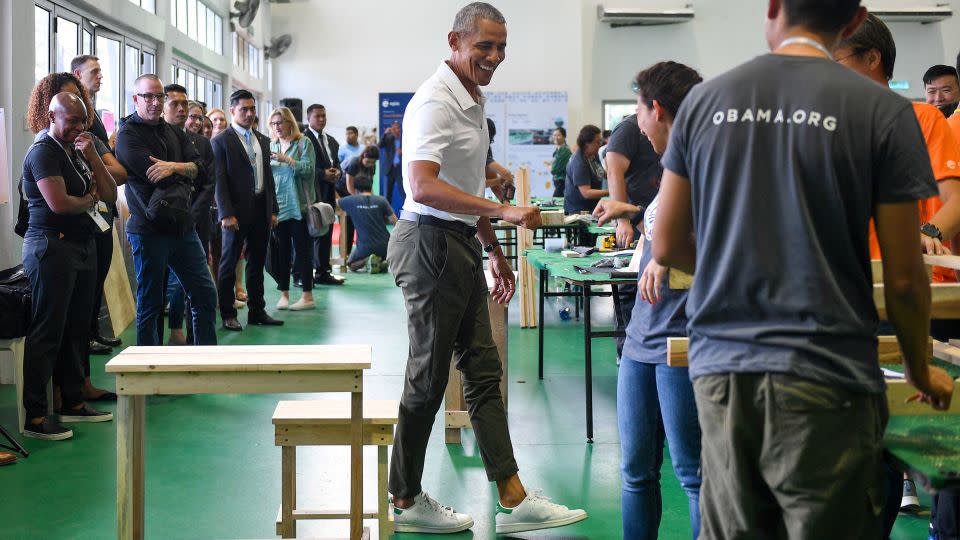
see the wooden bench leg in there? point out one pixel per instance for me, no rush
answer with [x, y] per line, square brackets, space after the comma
[288, 527]
[383, 505]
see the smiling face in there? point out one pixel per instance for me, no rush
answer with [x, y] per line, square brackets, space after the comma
[592, 148]
[68, 121]
[218, 122]
[475, 56]
[195, 118]
[943, 91]
[657, 131]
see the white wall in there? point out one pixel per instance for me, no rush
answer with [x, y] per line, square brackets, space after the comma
[344, 53]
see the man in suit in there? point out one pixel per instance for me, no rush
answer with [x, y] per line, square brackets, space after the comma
[328, 171]
[391, 156]
[247, 203]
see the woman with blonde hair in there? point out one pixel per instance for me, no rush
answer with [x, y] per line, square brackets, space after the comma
[293, 162]
[219, 120]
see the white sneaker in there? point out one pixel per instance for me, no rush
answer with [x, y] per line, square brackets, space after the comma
[283, 303]
[535, 512]
[301, 305]
[427, 516]
[910, 503]
[238, 304]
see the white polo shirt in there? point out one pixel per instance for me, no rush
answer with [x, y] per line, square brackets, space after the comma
[443, 124]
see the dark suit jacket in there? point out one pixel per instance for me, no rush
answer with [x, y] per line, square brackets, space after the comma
[388, 150]
[235, 182]
[205, 184]
[326, 191]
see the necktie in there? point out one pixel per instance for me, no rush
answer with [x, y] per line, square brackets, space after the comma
[250, 153]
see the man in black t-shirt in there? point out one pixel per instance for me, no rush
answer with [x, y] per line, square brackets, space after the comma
[771, 177]
[370, 215]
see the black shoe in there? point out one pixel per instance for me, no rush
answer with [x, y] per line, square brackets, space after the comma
[262, 319]
[108, 341]
[85, 413]
[48, 430]
[327, 279]
[99, 348]
[232, 324]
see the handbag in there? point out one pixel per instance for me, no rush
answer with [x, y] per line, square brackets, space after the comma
[16, 303]
[320, 217]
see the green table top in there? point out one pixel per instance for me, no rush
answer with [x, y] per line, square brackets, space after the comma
[597, 229]
[559, 266]
[929, 445]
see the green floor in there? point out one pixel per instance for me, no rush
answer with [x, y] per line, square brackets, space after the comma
[213, 472]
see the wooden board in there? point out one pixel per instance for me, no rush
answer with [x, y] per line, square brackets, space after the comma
[334, 411]
[899, 392]
[888, 351]
[945, 300]
[244, 358]
[946, 261]
[117, 292]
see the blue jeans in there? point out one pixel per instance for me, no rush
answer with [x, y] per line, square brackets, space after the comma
[655, 402]
[152, 254]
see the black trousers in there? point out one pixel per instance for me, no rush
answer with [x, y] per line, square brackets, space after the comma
[103, 244]
[294, 237]
[254, 237]
[62, 276]
[323, 245]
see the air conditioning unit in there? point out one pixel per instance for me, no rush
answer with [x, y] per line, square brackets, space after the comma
[919, 14]
[643, 17]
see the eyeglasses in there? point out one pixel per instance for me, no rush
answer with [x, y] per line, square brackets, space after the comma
[153, 97]
[195, 117]
[277, 123]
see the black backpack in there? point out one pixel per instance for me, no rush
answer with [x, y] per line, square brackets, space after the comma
[16, 303]
[23, 213]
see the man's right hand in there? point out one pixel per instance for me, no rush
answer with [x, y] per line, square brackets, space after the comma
[608, 210]
[331, 175]
[939, 389]
[230, 223]
[524, 216]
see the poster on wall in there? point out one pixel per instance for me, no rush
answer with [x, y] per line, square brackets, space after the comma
[525, 122]
[391, 106]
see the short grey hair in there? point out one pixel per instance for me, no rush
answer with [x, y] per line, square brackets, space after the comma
[465, 23]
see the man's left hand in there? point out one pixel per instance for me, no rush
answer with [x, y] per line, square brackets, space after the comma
[160, 170]
[273, 221]
[504, 280]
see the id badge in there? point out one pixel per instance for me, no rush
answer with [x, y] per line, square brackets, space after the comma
[97, 218]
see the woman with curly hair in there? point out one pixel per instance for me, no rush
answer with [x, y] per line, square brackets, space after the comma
[38, 119]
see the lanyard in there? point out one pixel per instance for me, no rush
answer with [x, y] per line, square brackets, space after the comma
[86, 175]
[808, 42]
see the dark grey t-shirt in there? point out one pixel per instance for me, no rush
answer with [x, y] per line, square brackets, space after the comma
[643, 175]
[787, 159]
[370, 215]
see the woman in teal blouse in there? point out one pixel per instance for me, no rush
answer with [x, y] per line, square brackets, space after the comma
[293, 161]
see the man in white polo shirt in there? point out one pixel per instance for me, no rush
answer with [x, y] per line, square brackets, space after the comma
[435, 255]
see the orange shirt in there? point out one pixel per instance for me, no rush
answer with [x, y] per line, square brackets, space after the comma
[945, 161]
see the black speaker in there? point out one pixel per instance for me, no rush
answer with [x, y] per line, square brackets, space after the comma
[295, 105]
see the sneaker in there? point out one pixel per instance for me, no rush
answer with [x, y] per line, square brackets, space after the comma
[533, 513]
[910, 503]
[375, 264]
[237, 304]
[283, 303]
[47, 430]
[85, 413]
[302, 304]
[427, 516]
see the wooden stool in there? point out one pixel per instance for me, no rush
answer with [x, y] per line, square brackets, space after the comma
[322, 423]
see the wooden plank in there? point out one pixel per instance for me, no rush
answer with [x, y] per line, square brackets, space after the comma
[888, 351]
[946, 261]
[948, 352]
[356, 466]
[899, 391]
[945, 300]
[329, 514]
[334, 411]
[288, 491]
[241, 358]
[335, 435]
[457, 419]
[130, 470]
[384, 521]
[278, 382]
[116, 290]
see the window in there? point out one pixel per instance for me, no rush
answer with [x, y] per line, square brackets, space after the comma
[180, 15]
[199, 23]
[108, 99]
[131, 70]
[218, 31]
[149, 5]
[202, 24]
[211, 30]
[192, 19]
[68, 38]
[41, 40]
[149, 63]
[87, 43]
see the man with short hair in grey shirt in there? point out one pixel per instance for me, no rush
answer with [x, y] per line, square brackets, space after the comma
[776, 168]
